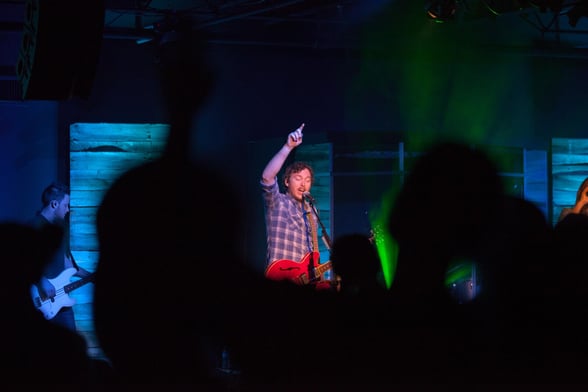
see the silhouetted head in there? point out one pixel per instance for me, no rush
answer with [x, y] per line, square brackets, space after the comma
[26, 250]
[355, 259]
[167, 249]
[570, 267]
[514, 261]
[441, 215]
[447, 200]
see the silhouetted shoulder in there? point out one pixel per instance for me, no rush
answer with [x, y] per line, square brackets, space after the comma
[33, 349]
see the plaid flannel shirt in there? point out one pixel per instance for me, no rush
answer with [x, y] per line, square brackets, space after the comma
[289, 234]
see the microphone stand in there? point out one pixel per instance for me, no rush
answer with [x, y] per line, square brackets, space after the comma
[324, 235]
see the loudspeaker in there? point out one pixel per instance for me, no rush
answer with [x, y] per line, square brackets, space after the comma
[60, 48]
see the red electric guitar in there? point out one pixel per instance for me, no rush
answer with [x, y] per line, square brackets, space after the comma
[298, 272]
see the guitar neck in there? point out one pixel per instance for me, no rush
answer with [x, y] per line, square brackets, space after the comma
[78, 283]
[324, 267]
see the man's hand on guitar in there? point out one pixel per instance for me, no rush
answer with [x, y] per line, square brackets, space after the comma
[58, 289]
[46, 289]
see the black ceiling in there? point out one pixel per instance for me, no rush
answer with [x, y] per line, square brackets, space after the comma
[320, 23]
[335, 23]
[524, 27]
[278, 22]
[264, 21]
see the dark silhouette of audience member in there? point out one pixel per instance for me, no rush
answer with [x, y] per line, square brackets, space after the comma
[167, 232]
[441, 214]
[287, 336]
[509, 307]
[33, 349]
[453, 207]
[162, 280]
[571, 271]
[512, 263]
[447, 204]
[361, 312]
[355, 259]
[568, 290]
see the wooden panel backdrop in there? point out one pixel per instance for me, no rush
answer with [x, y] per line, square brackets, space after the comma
[99, 154]
[569, 167]
[536, 179]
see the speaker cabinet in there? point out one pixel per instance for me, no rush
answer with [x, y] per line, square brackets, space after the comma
[60, 48]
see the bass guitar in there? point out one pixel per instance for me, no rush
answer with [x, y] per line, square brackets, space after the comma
[50, 306]
[298, 271]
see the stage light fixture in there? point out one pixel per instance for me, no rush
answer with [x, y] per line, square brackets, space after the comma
[441, 10]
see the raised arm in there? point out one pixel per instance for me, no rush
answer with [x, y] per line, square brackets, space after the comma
[275, 164]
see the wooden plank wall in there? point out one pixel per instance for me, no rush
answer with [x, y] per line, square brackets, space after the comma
[536, 180]
[99, 154]
[569, 167]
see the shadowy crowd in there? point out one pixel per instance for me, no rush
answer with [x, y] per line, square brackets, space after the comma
[165, 309]
[172, 291]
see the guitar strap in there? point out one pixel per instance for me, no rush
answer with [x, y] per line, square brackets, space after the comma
[73, 260]
[313, 232]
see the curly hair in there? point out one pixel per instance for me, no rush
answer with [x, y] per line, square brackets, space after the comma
[297, 167]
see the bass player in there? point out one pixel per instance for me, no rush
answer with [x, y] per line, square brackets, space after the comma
[54, 211]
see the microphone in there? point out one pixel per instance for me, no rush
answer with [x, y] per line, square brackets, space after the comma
[308, 197]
